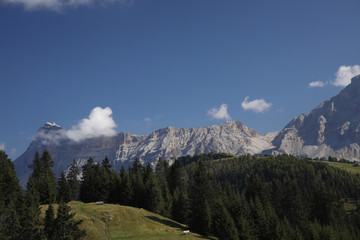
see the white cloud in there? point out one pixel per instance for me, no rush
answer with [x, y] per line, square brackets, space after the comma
[147, 119]
[59, 5]
[344, 75]
[2, 146]
[257, 105]
[99, 123]
[317, 84]
[219, 113]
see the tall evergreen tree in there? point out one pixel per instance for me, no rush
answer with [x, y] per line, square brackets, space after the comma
[126, 190]
[31, 217]
[10, 200]
[50, 224]
[43, 177]
[48, 188]
[72, 178]
[90, 189]
[201, 191]
[66, 227]
[64, 191]
[153, 194]
[224, 224]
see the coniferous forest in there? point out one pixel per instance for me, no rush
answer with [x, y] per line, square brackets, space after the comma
[246, 197]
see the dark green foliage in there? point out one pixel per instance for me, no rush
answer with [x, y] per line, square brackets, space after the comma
[50, 224]
[224, 226]
[10, 200]
[44, 178]
[153, 193]
[32, 211]
[65, 227]
[125, 189]
[72, 178]
[64, 191]
[136, 174]
[201, 191]
[91, 189]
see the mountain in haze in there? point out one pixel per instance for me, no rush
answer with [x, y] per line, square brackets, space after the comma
[167, 143]
[331, 129]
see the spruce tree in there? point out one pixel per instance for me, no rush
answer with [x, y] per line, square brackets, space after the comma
[10, 199]
[48, 188]
[126, 190]
[72, 178]
[153, 194]
[49, 227]
[224, 224]
[43, 177]
[66, 227]
[64, 191]
[201, 191]
[31, 217]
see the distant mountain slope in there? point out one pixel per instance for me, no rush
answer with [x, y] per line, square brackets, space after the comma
[122, 149]
[331, 129]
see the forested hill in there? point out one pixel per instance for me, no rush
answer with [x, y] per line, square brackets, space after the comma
[247, 197]
[222, 195]
[279, 197]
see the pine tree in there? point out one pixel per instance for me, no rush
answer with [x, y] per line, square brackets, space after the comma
[224, 224]
[201, 190]
[50, 228]
[162, 172]
[64, 191]
[136, 174]
[126, 190]
[31, 218]
[180, 206]
[72, 178]
[153, 194]
[10, 199]
[66, 228]
[44, 178]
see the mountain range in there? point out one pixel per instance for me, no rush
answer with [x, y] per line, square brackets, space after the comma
[331, 129]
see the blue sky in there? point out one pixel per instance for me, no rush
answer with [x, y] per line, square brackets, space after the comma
[161, 63]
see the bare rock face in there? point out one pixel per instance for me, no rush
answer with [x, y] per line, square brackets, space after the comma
[331, 129]
[167, 143]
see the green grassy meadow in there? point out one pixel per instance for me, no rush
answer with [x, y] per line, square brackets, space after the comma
[345, 166]
[112, 221]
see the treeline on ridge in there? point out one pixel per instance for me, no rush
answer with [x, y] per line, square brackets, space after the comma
[246, 197]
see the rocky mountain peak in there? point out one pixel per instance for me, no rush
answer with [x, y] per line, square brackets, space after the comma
[330, 129]
[50, 126]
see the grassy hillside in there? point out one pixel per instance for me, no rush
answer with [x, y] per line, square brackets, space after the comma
[111, 221]
[345, 166]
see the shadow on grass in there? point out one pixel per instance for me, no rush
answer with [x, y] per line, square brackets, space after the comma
[174, 225]
[166, 222]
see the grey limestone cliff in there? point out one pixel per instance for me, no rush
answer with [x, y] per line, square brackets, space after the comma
[167, 143]
[331, 129]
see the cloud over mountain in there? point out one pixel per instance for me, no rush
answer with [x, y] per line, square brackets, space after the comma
[99, 123]
[220, 113]
[257, 105]
[344, 75]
